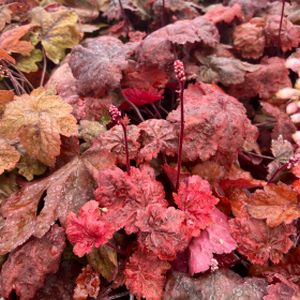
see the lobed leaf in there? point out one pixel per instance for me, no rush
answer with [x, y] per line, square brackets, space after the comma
[160, 231]
[87, 284]
[97, 64]
[38, 120]
[58, 31]
[258, 242]
[277, 203]
[11, 42]
[146, 277]
[216, 238]
[67, 190]
[88, 230]
[210, 122]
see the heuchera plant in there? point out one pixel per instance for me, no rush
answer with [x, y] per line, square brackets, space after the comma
[153, 157]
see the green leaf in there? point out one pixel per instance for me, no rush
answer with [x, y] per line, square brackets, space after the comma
[58, 31]
[28, 64]
[28, 167]
[104, 261]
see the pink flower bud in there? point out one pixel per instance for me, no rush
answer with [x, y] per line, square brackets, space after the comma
[179, 70]
[115, 114]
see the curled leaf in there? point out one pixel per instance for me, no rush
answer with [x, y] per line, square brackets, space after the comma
[11, 42]
[249, 38]
[29, 64]
[146, 277]
[195, 198]
[87, 284]
[157, 136]
[160, 231]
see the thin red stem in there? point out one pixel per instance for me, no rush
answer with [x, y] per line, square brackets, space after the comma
[276, 173]
[181, 85]
[126, 147]
[280, 25]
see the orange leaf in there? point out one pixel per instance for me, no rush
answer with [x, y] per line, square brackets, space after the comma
[5, 97]
[38, 120]
[277, 203]
[9, 156]
[4, 55]
[11, 41]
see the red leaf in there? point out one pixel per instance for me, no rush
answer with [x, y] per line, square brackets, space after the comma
[113, 141]
[161, 231]
[144, 77]
[142, 97]
[250, 7]
[156, 48]
[219, 13]
[61, 284]
[215, 238]
[282, 290]
[284, 125]
[124, 196]
[195, 198]
[88, 230]
[26, 268]
[210, 122]
[258, 242]
[146, 277]
[87, 284]
[264, 82]
[157, 136]
[289, 34]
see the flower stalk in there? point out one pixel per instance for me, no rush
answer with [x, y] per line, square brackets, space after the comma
[116, 117]
[180, 75]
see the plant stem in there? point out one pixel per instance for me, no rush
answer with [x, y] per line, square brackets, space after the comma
[125, 19]
[44, 68]
[156, 111]
[280, 25]
[136, 109]
[163, 13]
[126, 147]
[181, 85]
[275, 174]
